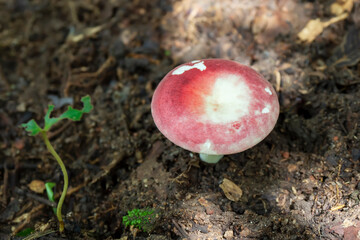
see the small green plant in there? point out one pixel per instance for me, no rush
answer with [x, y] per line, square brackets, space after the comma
[50, 193]
[143, 219]
[26, 232]
[167, 53]
[33, 128]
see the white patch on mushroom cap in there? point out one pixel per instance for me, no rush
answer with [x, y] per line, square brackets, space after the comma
[199, 65]
[206, 147]
[265, 110]
[268, 90]
[228, 101]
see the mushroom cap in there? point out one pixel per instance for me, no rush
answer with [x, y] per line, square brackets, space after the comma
[215, 106]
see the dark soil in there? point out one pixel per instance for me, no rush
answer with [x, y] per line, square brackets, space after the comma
[301, 182]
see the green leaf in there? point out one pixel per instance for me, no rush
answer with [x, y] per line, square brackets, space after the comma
[32, 127]
[50, 193]
[75, 114]
[48, 120]
[167, 53]
[71, 113]
[26, 232]
[87, 104]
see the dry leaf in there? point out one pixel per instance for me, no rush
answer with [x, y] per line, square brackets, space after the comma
[337, 207]
[312, 29]
[231, 190]
[315, 27]
[340, 6]
[37, 186]
[85, 33]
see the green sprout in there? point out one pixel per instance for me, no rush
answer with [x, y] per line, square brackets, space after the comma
[50, 193]
[167, 53]
[33, 128]
[143, 219]
[26, 232]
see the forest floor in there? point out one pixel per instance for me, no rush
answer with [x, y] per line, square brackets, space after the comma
[301, 182]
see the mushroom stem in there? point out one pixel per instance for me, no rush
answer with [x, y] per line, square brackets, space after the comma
[210, 158]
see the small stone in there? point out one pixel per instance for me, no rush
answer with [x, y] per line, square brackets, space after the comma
[292, 168]
[21, 107]
[245, 232]
[285, 155]
[229, 234]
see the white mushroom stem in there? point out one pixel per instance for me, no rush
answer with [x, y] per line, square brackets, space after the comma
[210, 158]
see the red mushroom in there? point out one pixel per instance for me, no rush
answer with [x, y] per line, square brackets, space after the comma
[214, 107]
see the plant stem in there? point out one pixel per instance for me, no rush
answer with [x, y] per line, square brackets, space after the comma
[66, 179]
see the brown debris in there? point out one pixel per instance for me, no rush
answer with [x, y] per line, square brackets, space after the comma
[86, 80]
[37, 186]
[106, 170]
[232, 191]
[316, 26]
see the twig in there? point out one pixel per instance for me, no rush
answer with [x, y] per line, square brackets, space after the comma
[108, 168]
[341, 124]
[10, 175]
[34, 212]
[181, 230]
[93, 77]
[39, 234]
[35, 197]
[59, 130]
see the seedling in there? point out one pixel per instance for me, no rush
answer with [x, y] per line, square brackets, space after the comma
[143, 219]
[33, 128]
